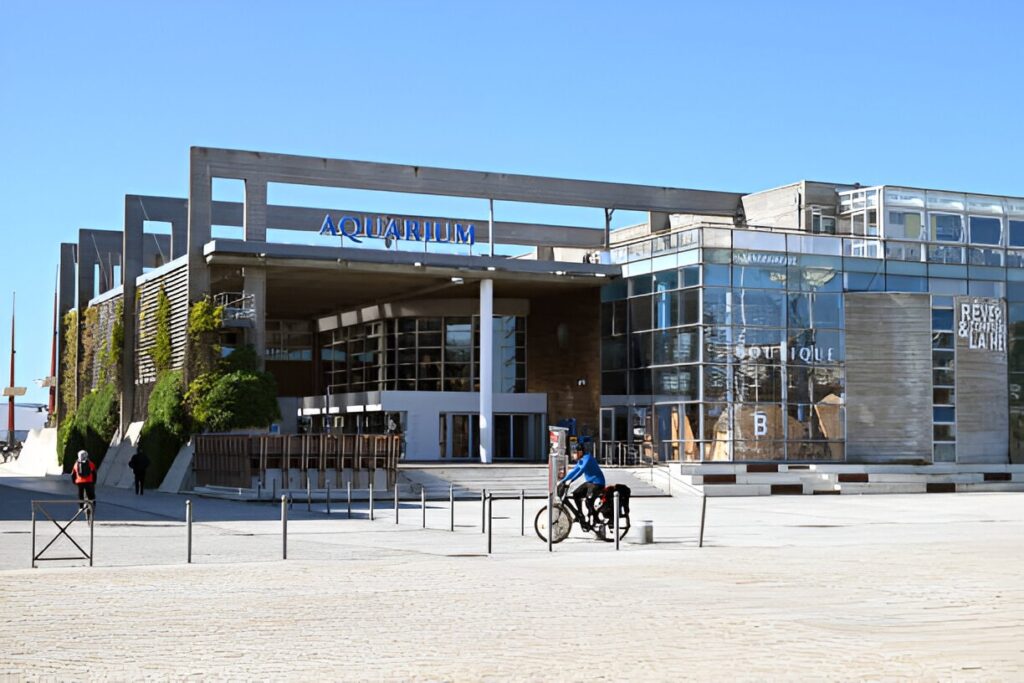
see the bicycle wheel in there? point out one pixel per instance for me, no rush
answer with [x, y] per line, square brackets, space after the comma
[561, 523]
[606, 531]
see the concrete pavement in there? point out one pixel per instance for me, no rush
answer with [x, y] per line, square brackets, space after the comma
[920, 587]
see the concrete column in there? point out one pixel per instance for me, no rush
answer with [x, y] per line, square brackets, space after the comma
[486, 371]
[179, 238]
[65, 303]
[86, 270]
[255, 283]
[200, 228]
[132, 256]
[200, 200]
[254, 220]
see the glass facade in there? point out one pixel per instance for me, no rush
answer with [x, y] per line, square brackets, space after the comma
[423, 354]
[723, 344]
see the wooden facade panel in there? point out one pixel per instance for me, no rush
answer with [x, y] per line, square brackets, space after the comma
[888, 377]
[982, 389]
[175, 284]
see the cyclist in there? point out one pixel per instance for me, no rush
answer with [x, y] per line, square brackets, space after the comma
[587, 467]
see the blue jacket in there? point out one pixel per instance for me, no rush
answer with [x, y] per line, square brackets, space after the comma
[588, 467]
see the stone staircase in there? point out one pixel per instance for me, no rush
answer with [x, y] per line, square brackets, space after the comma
[469, 480]
[767, 479]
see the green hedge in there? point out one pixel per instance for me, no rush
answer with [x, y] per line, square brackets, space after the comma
[236, 395]
[91, 427]
[166, 428]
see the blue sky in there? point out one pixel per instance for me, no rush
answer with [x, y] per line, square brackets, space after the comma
[103, 99]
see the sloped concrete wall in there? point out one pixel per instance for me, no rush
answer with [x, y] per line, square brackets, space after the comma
[38, 456]
[115, 471]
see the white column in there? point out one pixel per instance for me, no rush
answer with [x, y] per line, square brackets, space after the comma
[490, 228]
[486, 370]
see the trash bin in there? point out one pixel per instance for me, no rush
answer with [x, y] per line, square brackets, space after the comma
[642, 532]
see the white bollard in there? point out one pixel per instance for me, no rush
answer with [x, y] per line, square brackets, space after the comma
[643, 532]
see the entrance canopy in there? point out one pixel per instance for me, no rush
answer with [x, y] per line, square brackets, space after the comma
[307, 281]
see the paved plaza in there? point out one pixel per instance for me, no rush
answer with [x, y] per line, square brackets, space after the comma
[923, 587]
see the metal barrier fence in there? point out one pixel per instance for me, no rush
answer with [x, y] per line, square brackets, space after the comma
[487, 499]
[86, 507]
[486, 514]
[625, 454]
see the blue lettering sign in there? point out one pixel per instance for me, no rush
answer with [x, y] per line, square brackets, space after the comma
[412, 229]
[355, 231]
[328, 227]
[387, 227]
[465, 235]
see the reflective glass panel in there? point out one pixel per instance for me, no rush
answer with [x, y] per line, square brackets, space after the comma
[689, 306]
[906, 283]
[984, 257]
[904, 251]
[679, 345]
[715, 382]
[946, 227]
[640, 313]
[985, 230]
[756, 382]
[666, 309]
[759, 307]
[715, 311]
[1016, 236]
[716, 348]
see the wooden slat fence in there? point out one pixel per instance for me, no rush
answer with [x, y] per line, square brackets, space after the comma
[233, 460]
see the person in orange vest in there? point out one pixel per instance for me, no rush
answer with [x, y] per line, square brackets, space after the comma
[84, 476]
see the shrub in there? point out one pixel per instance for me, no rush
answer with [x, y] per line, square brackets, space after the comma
[166, 428]
[234, 396]
[69, 367]
[204, 320]
[90, 427]
[161, 353]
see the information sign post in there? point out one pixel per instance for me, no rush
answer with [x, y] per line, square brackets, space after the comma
[557, 439]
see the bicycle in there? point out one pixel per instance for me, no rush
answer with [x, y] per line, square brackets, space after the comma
[564, 514]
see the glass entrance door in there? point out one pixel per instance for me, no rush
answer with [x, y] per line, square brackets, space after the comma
[512, 436]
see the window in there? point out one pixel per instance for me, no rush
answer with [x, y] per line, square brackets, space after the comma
[985, 230]
[946, 227]
[906, 283]
[1016, 233]
[903, 225]
[821, 224]
[289, 340]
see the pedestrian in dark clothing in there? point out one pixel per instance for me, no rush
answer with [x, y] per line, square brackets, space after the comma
[139, 463]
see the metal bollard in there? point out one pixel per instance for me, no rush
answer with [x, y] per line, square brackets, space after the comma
[451, 507]
[522, 512]
[483, 510]
[274, 494]
[188, 524]
[551, 514]
[349, 487]
[371, 502]
[328, 496]
[490, 521]
[703, 510]
[92, 519]
[33, 535]
[284, 527]
[615, 499]
[259, 491]
[309, 494]
[423, 505]
[396, 503]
